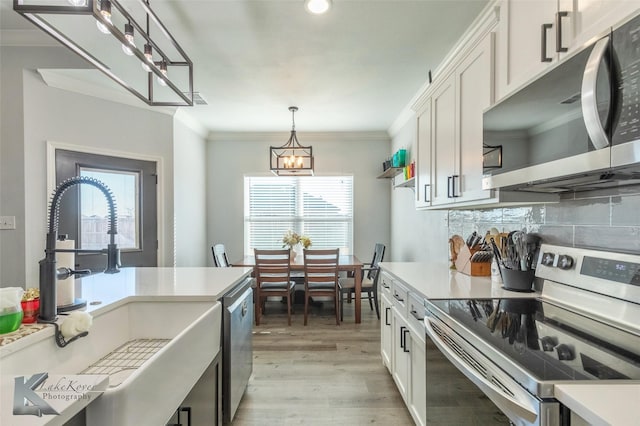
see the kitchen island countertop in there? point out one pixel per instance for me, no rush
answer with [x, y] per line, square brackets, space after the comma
[103, 293]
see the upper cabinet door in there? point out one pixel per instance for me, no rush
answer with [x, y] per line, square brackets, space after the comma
[443, 138]
[423, 174]
[473, 99]
[526, 41]
[589, 18]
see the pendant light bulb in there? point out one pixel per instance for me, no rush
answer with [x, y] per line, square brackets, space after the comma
[78, 2]
[148, 54]
[163, 70]
[128, 35]
[105, 11]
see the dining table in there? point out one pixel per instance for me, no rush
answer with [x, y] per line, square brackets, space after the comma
[346, 262]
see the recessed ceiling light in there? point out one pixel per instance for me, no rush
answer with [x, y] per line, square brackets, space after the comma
[317, 7]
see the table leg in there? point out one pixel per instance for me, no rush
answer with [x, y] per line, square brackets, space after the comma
[357, 278]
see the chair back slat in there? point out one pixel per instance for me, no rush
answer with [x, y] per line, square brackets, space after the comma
[321, 266]
[272, 266]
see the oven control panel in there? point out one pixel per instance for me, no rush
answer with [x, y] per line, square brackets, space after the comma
[612, 270]
[610, 273]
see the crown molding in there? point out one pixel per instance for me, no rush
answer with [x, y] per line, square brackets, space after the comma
[306, 138]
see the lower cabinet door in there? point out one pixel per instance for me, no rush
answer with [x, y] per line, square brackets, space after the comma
[386, 340]
[401, 355]
[418, 386]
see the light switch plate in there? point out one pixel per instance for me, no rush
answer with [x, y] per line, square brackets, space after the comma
[7, 222]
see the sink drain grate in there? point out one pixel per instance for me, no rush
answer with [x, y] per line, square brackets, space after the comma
[123, 361]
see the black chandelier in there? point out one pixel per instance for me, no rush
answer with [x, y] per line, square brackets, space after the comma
[156, 70]
[292, 159]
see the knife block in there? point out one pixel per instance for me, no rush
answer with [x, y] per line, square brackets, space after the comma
[466, 266]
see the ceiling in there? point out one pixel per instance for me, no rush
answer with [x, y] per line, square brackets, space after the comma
[354, 69]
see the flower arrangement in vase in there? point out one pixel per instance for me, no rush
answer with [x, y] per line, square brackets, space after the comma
[292, 240]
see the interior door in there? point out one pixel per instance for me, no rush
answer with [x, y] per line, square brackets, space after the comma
[83, 210]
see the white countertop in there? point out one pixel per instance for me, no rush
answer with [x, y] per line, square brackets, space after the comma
[602, 403]
[434, 280]
[103, 293]
[157, 284]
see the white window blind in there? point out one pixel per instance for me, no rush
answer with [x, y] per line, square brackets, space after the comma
[317, 206]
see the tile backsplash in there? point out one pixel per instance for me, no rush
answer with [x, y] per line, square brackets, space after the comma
[604, 219]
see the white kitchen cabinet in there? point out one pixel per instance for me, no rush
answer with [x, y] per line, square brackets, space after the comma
[443, 139]
[522, 53]
[417, 395]
[456, 139]
[401, 355]
[521, 48]
[386, 341]
[472, 99]
[423, 162]
[405, 346]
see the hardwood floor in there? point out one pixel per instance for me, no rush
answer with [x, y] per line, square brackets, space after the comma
[321, 374]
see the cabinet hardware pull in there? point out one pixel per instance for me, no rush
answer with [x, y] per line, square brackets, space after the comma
[416, 316]
[427, 199]
[454, 179]
[449, 186]
[402, 336]
[404, 333]
[559, 17]
[543, 43]
[386, 316]
[397, 297]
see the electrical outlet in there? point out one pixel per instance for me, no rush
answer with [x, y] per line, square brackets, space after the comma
[7, 222]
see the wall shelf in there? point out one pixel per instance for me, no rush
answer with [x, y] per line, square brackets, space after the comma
[390, 173]
[409, 183]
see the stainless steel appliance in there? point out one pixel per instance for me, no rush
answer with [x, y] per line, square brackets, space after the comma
[237, 347]
[577, 127]
[585, 326]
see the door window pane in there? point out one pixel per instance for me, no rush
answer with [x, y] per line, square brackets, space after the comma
[94, 211]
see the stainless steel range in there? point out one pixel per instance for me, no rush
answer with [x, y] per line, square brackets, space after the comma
[585, 326]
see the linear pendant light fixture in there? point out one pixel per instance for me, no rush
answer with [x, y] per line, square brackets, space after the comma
[156, 70]
[292, 159]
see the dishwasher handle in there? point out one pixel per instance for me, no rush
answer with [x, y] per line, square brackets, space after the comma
[493, 392]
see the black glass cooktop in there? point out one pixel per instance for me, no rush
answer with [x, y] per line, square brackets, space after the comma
[548, 341]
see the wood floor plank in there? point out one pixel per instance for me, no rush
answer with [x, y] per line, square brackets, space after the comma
[321, 374]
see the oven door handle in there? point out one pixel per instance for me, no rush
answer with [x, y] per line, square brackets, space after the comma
[493, 392]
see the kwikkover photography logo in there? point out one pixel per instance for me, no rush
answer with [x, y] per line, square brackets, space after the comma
[42, 394]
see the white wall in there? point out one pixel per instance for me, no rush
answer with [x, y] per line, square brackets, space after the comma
[13, 182]
[415, 235]
[40, 114]
[231, 157]
[189, 165]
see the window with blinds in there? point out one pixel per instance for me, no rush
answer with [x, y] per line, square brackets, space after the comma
[317, 206]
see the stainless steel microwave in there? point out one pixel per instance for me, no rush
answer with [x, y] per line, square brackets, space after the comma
[577, 127]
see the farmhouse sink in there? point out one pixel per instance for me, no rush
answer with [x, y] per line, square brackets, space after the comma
[181, 339]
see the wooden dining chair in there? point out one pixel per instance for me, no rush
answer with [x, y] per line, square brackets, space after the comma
[273, 278]
[370, 272]
[321, 277]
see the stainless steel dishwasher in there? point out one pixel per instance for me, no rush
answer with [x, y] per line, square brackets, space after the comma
[237, 346]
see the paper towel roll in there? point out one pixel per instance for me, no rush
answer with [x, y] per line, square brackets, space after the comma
[65, 288]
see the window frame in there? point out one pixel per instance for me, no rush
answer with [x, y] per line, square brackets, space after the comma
[296, 222]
